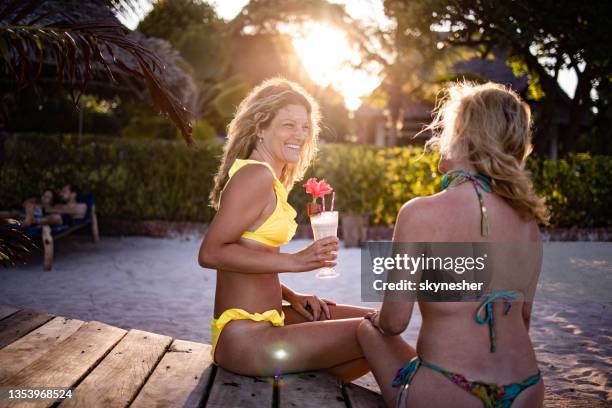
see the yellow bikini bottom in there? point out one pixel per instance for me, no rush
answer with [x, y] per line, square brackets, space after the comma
[217, 325]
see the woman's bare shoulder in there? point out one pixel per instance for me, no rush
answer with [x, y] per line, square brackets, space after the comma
[418, 217]
[249, 183]
[423, 207]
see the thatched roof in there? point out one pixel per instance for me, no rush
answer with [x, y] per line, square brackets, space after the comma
[494, 69]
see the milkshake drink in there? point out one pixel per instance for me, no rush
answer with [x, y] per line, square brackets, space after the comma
[325, 224]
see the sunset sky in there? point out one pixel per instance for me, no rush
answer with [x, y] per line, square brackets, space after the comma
[326, 54]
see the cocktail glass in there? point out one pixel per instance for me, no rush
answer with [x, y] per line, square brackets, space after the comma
[325, 224]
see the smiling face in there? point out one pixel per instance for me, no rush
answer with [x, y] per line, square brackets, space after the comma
[284, 138]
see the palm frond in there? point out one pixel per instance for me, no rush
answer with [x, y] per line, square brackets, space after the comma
[125, 6]
[77, 51]
[14, 244]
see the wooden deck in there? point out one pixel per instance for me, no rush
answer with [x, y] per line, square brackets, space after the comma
[107, 366]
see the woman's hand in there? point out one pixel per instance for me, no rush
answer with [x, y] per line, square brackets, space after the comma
[321, 253]
[310, 306]
[374, 318]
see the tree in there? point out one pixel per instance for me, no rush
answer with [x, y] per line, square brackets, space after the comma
[258, 24]
[194, 29]
[201, 37]
[265, 16]
[540, 38]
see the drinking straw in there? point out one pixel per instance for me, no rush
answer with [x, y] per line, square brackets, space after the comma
[332, 203]
[323, 198]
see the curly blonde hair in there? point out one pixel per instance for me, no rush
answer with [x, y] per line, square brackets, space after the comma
[256, 112]
[489, 127]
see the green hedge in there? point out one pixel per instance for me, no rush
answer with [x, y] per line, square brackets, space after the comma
[166, 180]
[371, 179]
[578, 189]
[151, 179]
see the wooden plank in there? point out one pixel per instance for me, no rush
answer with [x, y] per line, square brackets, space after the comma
[65, 364]
[116, 380]
[7, 310]
[312, 389]
[240, 391]
[180, 379]
[20, 324]
[22, 352]
[359, 397]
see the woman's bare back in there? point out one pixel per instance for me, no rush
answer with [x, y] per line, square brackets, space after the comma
[450, 336]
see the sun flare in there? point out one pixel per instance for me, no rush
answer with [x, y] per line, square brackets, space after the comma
[327, 57]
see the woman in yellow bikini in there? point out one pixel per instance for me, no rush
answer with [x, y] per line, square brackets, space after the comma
[468, 354]
[271, 142]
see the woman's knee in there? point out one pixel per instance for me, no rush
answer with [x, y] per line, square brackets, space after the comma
[366, 331]
[54, 219]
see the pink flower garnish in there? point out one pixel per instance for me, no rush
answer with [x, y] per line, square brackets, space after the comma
[317, 188]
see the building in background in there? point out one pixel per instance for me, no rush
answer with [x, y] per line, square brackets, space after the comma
[373, 124]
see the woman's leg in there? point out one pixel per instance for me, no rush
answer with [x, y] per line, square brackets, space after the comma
[51, 219]
[348, 311]
[346, 371]
[337, 312]
[257, 348]
[385, 355]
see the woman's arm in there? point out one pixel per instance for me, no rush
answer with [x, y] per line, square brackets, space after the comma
[536, 256]
[408, 234]
[287, 292]
[242, 203]
[526, 312]
[77, 210]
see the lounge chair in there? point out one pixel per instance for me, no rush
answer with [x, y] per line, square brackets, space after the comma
[49, 234]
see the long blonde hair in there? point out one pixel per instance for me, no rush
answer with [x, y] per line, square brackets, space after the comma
[489, 127]
[254, 113]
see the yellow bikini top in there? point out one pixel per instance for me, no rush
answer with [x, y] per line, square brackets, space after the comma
[280, 227]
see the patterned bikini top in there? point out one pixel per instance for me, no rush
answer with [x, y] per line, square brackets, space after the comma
[280, 227]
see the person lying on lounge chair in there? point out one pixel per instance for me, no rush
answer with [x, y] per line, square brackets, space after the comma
[43, 210]
[34, 207]
[70, 208]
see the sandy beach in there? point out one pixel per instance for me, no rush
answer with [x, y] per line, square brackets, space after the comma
[156, 285]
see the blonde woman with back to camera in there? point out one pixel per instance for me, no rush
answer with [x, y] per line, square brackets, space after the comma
[271, 142]
[468, 354]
